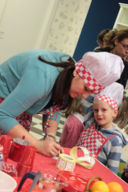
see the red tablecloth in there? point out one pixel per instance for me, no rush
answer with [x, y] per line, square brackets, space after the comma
[42, 162]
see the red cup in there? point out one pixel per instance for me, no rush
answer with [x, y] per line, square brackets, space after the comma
[6, 141]
[26, 161]
[17, 149]
[22, 169]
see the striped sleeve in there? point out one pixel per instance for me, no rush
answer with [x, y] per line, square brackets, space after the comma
[110, 153]
[88, 110]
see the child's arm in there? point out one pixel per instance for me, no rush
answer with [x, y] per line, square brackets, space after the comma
[111, 153]
[114, 160]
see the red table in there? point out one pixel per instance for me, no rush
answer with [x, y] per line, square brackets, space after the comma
[42, 162]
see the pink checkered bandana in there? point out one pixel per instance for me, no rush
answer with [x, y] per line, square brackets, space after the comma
[90, 81]
[108, 100]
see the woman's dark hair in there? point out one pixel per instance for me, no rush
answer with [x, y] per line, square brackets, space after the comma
[60, 91]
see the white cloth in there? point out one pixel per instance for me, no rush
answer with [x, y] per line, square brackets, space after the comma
[80, 117]
[114, 92]
[100, 68]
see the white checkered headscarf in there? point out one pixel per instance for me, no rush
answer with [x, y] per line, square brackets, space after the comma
[112, 94]
[99, 69]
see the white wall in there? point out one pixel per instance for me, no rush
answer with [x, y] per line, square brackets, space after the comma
[40, 24]
[23, 24]
[67, 25]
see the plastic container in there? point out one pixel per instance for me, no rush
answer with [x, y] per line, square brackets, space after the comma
[7, 183]
[51, 181]
[45, 181]
[76, 183]
[6, 141]
[1, 153]
[8, 168]
[26, 161]
[17, 149]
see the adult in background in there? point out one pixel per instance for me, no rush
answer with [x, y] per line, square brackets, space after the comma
[116, 42]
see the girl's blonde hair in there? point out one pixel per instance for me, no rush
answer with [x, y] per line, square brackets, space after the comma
[122, 117]
[76, 106]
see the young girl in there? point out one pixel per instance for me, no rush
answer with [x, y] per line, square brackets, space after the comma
[80, 114]
[70, 134]
[104, 140]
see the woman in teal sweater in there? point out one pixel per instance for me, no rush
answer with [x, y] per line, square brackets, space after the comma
[40, 81]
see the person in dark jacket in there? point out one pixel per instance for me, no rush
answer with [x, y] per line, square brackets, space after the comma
[116, 42]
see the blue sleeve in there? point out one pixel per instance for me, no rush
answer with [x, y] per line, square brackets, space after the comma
[26, 93]
[87, 105]
[28, 83]
[115, 155]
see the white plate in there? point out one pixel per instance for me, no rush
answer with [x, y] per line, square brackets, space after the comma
[7, 183]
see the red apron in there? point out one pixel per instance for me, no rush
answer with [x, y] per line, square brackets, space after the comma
[93, 140]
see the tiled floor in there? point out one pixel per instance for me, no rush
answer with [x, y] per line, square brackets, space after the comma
[36, 127]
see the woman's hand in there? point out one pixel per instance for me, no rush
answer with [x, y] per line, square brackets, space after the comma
[49, 147]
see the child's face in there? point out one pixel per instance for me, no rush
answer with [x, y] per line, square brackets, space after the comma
[103, 114]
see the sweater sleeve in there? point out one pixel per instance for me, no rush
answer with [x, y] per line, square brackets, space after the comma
[88, 110]
[27, 92]
[111, 153]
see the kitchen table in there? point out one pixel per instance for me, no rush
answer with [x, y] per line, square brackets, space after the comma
[42, 162]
